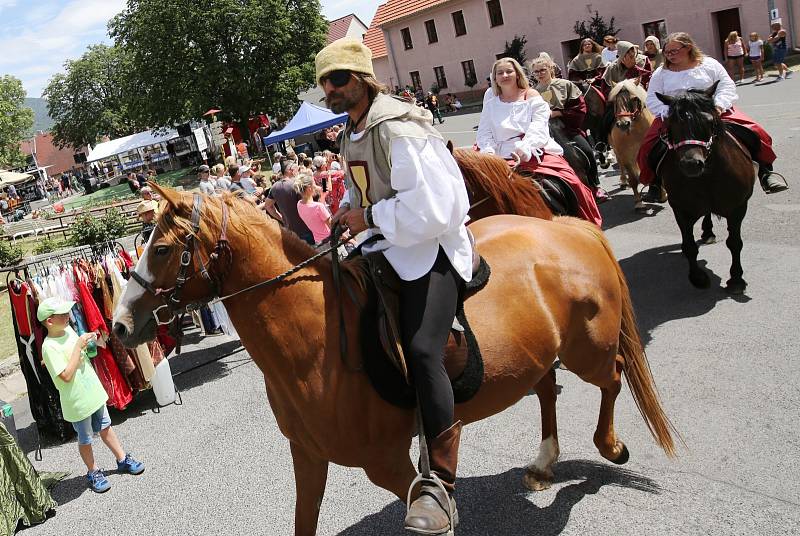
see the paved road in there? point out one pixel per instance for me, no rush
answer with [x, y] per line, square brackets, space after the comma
[728, 371]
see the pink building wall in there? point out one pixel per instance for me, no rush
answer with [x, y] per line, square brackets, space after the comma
[547, 25]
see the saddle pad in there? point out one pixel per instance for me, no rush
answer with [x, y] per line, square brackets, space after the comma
[387, 379]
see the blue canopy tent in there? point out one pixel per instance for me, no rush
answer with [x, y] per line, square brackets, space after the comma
[309, 118]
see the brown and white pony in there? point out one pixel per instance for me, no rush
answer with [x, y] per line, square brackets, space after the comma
[555, 290]
[631, 123]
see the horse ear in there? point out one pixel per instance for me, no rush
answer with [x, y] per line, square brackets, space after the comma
[666, 99]
[172, 197]
[711, 91]
[450, 146]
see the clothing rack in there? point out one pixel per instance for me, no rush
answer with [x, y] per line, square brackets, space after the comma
[79, 252]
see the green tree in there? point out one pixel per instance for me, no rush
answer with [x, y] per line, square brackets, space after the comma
[243, 56]
[516, 49]
[16, 121]
[90, 99]
[595, 28]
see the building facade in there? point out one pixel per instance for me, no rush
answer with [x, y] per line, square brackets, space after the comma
[50, 156]
[451, 44]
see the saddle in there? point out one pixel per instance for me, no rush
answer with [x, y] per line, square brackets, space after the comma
[558, 195]
[381, 344]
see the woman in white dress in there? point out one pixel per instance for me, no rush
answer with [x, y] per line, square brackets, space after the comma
[514, 124]
[686, 67]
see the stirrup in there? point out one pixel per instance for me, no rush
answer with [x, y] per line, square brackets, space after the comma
[770, 173]
[434, 479]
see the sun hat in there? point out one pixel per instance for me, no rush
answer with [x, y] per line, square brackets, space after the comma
[244, 169]
[146, 206]
[53, 306]
[203, 169]
[344, 55]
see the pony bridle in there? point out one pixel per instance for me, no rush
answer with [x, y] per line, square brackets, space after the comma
[172, 296]
[706, 145]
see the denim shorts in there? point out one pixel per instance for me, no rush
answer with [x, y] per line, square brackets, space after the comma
[93, 424]
[778, 55]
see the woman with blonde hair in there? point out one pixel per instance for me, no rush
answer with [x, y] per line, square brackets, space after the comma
[734, 51]
[514, 125]
[685, 68]
[587, 64]
[567, 106]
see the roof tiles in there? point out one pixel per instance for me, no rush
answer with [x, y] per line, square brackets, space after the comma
[389, 12]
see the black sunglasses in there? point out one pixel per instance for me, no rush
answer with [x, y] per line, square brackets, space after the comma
[336, 78]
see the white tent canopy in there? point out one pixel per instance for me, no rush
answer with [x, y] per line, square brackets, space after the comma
[122, 145]
[12, 177]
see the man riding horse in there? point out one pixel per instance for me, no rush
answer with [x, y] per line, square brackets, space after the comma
[418, 203]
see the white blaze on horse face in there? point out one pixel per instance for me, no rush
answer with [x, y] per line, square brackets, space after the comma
[133, 290]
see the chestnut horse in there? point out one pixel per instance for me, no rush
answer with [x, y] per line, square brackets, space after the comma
[555, 289]
[631, 123]
[706, 170]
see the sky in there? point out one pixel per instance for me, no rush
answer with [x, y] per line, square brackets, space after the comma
[38, 36]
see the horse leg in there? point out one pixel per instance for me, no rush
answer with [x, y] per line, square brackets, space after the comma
[736, 285]
[539, 473]
[605, 439]
[708, 236]
[310, 476]
[633, 181]
[697, 276]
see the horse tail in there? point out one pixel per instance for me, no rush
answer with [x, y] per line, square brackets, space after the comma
[636, 368]
[638, 374]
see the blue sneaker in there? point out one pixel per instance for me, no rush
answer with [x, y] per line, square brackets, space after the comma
[98, 482]
[130, 466]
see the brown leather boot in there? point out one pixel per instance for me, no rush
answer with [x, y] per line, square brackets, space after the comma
[429, 514]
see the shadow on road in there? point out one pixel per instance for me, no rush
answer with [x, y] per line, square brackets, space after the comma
[499, 504]
[660, 288]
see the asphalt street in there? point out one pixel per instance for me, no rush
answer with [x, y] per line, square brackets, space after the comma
[727, 369]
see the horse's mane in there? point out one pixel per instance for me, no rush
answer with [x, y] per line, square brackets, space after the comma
[631, 87]
[512, 193]
[250, 220]
[689, 105]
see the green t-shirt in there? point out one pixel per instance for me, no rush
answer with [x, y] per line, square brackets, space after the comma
[84, 394]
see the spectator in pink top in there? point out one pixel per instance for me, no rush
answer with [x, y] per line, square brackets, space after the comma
[313, 213]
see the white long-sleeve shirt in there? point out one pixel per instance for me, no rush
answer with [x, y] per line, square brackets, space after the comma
[507, 126]
[429, 210]
[703, 76]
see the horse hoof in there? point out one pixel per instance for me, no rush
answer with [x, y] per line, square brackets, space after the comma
[623, 457]
[736, 287]
[536, 480]
[640, 207]
[700, 279]
[605, 165]
[710, 239]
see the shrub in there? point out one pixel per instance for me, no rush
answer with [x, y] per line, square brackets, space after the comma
[88, 230]
[9, 253]
[47, 245]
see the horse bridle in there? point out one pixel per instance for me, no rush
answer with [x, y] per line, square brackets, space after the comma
[706, 145]
[172, 296]
[633, 115]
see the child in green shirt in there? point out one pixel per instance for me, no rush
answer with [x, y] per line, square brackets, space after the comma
[83, 398]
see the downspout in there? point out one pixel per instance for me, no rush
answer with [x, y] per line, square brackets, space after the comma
[790, 16]
[392, 61]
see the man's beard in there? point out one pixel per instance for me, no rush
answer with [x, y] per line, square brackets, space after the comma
[345, 100]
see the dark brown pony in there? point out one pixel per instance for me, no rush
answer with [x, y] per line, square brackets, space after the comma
[555, 290]
[706, 170]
